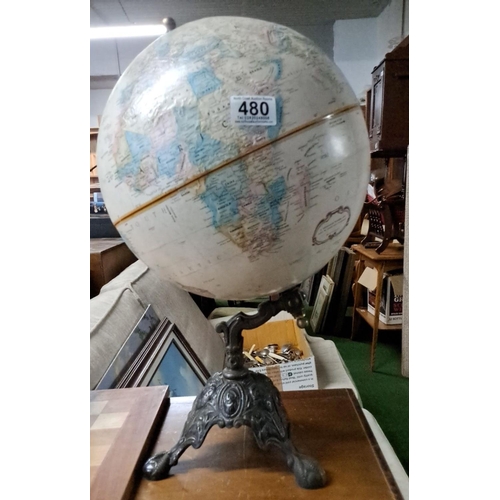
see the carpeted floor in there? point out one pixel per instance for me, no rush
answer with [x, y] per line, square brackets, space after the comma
[384, 391]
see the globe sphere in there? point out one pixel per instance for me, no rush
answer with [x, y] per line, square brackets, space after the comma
[233, 157]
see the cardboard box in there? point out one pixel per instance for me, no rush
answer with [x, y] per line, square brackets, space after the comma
[290, 376]
[391, 302]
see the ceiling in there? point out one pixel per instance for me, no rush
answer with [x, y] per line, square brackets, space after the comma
[288, 12]
[313, 18]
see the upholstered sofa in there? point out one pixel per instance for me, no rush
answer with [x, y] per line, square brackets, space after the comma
[122, 301]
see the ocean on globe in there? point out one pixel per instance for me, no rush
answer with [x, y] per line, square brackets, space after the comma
[233, 157]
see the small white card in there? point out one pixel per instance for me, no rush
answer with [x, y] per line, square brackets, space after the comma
[253, 110]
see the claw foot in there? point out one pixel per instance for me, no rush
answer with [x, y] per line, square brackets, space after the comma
[308, 473]
[157, 467]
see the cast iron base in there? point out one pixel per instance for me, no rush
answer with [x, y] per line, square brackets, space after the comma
[237, 396]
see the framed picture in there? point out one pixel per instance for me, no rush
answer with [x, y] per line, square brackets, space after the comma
[174, 363]
[156, 353]
[322, 302]
[124, 360]
[306, 289]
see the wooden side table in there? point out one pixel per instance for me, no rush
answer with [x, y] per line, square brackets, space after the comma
[389, 260]
[328, 425]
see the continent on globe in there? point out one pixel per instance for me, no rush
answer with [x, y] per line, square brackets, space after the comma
[233, 157]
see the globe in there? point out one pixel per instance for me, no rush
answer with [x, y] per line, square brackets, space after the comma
[233, 157]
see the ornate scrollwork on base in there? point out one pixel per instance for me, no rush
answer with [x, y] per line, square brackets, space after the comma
[252, 401]
[237, 396]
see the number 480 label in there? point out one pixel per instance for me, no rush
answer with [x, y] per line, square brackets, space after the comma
[253, 110]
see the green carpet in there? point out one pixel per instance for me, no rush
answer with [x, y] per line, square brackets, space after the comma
[384, 392]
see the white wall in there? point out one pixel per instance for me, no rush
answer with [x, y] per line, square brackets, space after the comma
[98, 98]
[355, 52]
[390, 27]
[360, 44]
[111, 57]
[322, 36]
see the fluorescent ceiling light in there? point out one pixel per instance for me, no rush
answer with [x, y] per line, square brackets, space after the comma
[127, 31]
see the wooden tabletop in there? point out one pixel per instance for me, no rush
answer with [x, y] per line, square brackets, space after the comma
[394, 251]
[328, 425]
[98, 245]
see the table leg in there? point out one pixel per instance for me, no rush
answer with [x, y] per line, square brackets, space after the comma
[357, 296]
[376, 319]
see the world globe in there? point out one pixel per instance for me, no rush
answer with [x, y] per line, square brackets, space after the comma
[233, 157]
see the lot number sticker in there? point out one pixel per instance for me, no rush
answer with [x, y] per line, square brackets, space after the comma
[253, 110]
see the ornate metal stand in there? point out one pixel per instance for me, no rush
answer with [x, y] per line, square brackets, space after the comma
[237, 396]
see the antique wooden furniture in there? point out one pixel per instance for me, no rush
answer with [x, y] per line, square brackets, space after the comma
[328, 424]
[390, 259]
[388, 112]
[108, 258]
[386, 221]
[126, 424]
[385, 204]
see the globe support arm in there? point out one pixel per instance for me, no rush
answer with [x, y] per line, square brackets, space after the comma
[289, 301]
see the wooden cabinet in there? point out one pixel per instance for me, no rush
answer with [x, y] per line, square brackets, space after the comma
[388, 113]
[108, 258]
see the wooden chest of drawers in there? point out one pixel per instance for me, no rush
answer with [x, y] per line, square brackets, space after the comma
[388, 114]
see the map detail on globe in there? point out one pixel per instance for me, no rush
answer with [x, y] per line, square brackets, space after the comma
[233, 157]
